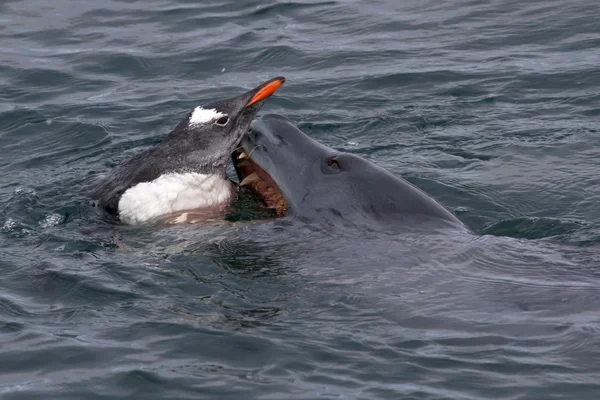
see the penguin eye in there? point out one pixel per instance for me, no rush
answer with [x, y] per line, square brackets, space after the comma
[333, 163]
[222, 121]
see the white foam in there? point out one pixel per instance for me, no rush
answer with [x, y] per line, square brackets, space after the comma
[201, 115]
[173, 192]
[51, 220]
[9, 225]
[25, 191]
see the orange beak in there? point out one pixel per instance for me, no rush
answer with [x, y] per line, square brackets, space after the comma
[266, 90]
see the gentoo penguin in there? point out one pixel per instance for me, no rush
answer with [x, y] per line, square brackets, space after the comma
[187, 170]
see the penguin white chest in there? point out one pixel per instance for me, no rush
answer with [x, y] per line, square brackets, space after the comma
[171, 193]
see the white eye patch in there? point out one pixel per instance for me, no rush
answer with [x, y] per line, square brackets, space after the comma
[201, 115]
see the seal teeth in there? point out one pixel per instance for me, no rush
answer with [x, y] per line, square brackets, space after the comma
[242, 155]
[250, 179]
[243, 163]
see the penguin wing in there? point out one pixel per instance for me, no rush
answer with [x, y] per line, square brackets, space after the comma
[139, 168]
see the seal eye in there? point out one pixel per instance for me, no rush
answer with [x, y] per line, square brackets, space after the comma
[333, 164]
[222, 121]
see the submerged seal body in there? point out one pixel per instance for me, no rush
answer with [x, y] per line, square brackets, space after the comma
[303, 178]
[187, 170]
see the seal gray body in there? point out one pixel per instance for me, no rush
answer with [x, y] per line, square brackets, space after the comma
[318, 182]
[187, 170]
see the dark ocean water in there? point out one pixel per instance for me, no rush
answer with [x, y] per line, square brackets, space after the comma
[492, 107]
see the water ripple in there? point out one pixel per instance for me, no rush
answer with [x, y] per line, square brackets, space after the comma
[491, 108]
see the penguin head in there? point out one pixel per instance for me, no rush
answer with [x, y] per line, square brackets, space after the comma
[209, 133]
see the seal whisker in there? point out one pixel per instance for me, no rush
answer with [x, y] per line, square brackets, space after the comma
[252, 151]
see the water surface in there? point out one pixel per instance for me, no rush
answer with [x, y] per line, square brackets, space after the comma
[491, 107]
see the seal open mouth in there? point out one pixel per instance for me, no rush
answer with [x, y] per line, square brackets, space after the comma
[258, 181]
